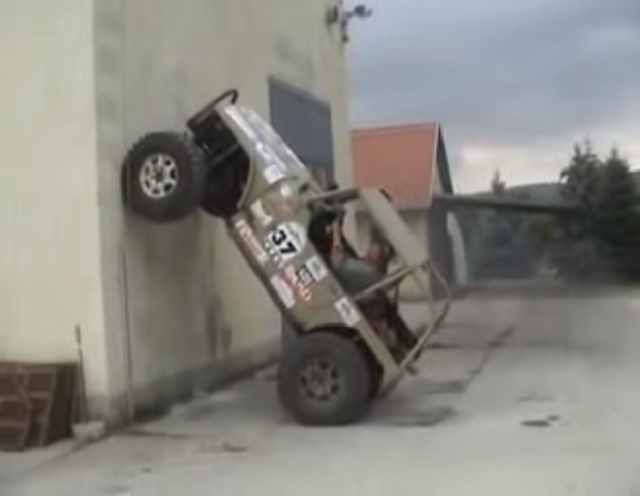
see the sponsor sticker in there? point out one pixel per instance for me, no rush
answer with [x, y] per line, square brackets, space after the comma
[301, 289]
[247, 235]
[305, 276]
[274, 169]
[350, 316]
[260, 213]
[285, 242]
[312, 271]
[315, 268]
[284, 291]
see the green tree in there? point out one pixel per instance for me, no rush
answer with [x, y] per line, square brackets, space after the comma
[579, 180]
[604, 240]
[576, 251]
[616, 220]
[498, 186]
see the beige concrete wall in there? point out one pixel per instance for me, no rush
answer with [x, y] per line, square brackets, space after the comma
[156, 305]
[308, 54]
[179, 297]
[461, 271]
[311, 56]
[49, 255]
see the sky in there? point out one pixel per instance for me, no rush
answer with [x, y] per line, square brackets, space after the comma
[514, 84]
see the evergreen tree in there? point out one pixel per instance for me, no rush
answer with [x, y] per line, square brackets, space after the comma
[615, 217]
[576, 251]
[498, 186]
[604, 240]
[579, 181]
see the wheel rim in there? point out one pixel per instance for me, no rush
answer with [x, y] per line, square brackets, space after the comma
[159, 176]
[321, 380]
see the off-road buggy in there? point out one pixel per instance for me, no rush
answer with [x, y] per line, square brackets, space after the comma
[351, 344]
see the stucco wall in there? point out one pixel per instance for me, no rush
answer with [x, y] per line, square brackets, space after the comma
[461, 271]
[49, 255]
[161, 308]
[179, 297]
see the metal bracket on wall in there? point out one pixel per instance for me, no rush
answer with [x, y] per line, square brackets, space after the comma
[338, 15]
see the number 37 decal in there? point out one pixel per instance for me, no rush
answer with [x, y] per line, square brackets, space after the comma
[288, 240]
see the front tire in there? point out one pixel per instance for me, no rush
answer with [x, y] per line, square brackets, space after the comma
[163, 177]
[324, 379]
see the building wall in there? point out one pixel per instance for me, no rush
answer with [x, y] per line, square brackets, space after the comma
[49, 255]
[163, 309]
[418, 223]
[460, 273]
[460, 268]
[181, 303]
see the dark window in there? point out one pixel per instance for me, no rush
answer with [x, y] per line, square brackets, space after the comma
[304, 122]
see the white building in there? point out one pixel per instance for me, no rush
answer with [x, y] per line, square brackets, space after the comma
[162, 310]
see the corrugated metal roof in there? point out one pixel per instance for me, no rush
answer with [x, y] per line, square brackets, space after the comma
[401, 159]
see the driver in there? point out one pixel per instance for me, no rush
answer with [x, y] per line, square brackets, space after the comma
[354, 272]
[357, 273]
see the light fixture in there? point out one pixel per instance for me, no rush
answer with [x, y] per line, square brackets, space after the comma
[338, 15]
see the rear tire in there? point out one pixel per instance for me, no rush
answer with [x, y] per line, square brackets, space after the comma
[324, 379]
[163, 177]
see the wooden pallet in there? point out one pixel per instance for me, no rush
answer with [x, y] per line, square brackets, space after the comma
[15, 413]
[46, 393]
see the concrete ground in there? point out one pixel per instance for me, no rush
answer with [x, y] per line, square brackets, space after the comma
[520, 396]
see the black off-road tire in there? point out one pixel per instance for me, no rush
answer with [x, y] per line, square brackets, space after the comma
[351, 400]
[191, 169]
[377, 374]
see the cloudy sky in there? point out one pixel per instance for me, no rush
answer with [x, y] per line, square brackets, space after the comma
[514, 83]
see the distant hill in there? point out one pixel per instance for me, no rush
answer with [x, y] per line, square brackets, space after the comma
[496, 248]
[539, 192]
[536, 192]
[546, 192]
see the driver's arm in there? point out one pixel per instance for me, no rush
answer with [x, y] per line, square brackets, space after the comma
[337, 245]
[379, 253]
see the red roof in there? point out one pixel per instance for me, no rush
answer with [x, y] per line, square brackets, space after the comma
[401, 159]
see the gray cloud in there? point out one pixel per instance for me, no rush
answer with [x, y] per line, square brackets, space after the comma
[495, 72]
